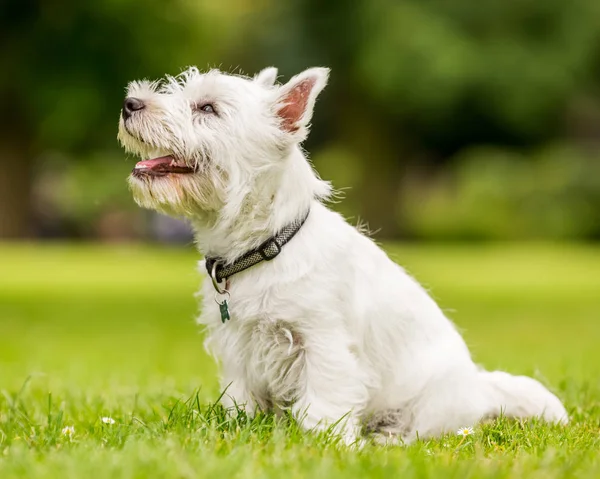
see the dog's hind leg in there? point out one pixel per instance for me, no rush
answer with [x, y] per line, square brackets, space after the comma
[455, 401]
[390, 426]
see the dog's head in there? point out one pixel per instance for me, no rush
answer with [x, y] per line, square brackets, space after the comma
[207, 139]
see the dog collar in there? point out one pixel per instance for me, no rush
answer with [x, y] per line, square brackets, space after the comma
[219, 270]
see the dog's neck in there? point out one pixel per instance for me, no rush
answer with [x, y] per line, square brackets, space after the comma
[277, 199]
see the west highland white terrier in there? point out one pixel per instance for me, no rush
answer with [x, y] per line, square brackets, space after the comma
[303, 311]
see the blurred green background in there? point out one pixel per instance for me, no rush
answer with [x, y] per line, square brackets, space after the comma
[444, 119]
[465, 133]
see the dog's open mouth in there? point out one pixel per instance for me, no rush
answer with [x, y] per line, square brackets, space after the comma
[162, 166]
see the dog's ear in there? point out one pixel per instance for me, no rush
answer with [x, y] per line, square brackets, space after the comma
[266, 77]
[297, 97]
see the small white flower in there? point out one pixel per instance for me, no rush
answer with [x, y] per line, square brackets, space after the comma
[465, 431]
[68, 430]
[108, 420]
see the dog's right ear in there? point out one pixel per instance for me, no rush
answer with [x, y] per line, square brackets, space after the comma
[266, 77]
[297, 97]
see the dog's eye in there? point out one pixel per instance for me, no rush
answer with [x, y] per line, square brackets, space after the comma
[206, 108]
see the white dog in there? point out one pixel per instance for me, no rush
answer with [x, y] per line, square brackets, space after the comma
[303, 311]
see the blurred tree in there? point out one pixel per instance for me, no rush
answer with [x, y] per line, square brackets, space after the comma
[414, 82]
[506, 70]
[64, 67]
[491, 193]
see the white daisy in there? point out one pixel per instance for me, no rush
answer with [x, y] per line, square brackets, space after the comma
[465, 431]
[108, 420]
[68, 430]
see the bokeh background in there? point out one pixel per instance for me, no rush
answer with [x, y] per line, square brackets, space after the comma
[443, 120]
[465, 133]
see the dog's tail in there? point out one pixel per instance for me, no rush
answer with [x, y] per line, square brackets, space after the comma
[521, 397]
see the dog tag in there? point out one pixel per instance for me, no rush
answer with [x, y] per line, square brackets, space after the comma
[224, 311]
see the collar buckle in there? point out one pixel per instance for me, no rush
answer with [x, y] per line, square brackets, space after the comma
[269, 250]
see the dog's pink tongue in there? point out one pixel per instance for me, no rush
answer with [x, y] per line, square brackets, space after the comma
[154, 163]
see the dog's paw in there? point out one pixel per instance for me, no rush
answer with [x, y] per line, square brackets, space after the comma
[387, 439]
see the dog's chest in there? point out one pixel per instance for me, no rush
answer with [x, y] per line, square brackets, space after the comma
[275, 355]
[270, 354]
[269, 333]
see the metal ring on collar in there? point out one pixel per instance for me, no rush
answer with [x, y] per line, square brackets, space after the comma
[223, 297]
[213, 276]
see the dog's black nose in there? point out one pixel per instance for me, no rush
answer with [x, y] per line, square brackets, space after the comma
[130, 105]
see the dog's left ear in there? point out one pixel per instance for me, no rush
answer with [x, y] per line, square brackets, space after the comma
[296, 99]
[266, 77]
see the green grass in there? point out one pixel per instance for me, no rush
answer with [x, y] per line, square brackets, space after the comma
[89, 331]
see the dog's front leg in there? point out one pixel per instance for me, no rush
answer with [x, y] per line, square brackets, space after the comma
[334, 391]
[236, 396]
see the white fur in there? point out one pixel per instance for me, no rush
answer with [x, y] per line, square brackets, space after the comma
[332, 328]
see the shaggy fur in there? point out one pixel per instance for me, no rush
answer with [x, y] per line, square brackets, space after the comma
[331, 329]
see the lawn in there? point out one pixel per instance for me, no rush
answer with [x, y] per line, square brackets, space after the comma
[92, 332]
